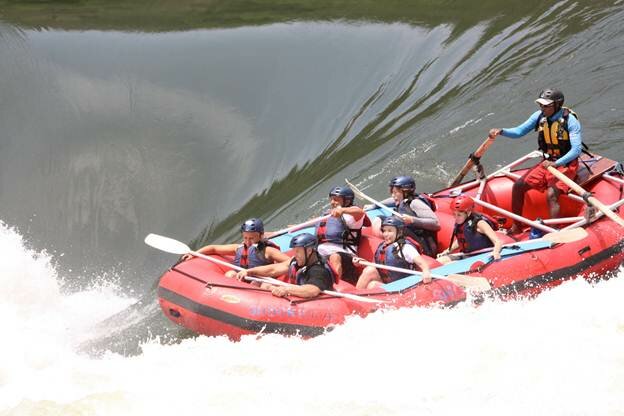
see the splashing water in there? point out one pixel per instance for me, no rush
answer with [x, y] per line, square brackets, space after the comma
[562, 353]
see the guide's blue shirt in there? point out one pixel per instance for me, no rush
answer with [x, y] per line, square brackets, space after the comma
[574, 132]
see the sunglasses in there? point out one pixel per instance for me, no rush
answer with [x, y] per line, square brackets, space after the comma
[547, 106]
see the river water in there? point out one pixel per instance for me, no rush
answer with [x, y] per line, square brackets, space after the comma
[112, 129]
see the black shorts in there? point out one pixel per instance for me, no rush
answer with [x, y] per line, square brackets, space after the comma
[349, 272]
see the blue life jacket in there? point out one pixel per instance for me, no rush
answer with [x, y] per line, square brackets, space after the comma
[388, 255]
[335, 230]
[468, 238]
[426, 238]
[248, 257]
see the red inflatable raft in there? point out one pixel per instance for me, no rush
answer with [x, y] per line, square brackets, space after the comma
[196, 295]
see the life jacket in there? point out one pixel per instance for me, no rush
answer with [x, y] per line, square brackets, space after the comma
[426, 238]
[335, 230]
[468, 238]
[392, 255]
[253, 256]
[298, 275]
[553, 137]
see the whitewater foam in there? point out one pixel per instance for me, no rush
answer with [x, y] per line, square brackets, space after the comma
[560, 354]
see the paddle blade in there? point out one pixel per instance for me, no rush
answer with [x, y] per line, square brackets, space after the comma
[353, 297]
[354, 188]
[566, 236]
[166, 244]
[470, 163]
[478, 284]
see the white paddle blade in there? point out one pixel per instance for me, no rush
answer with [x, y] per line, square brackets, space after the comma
[566, 236]
[474, 283]
[166, 244]
[362, 195]
[355, 189]
[353, 297]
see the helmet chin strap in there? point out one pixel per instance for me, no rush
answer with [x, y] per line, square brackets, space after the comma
[398, 234]
[306, 258]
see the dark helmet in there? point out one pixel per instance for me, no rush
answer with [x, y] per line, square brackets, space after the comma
[462, 203]
[253, 225]
[303, 240]
[393, 222]
[405, 183]
[549, 96]
[345, 192]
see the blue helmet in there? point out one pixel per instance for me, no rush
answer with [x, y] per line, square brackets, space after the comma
[303, 240]
[393, 222]
[253, 225]
[345, 192]
[405, 183]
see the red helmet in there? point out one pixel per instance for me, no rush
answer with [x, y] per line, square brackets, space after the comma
[462, 203]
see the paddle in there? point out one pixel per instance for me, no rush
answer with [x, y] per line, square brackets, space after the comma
[535, 224]
[564, 236]
[298, 226]
[371, 200]
[556, 237]
[471, 160]
[587, 196]
[468, 282]
[170, 245]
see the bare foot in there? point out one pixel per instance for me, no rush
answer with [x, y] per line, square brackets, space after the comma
[515, 229]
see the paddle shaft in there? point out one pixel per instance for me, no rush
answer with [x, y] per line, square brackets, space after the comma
[516, 217]
[215, 260]
[395, 269]
[172, 246]
[277, 282]
[280, 283]
[462, 255]
[557, 237]
[469, 282]
[587, 196]
[238, 268]
[371, 200]
[299, 226]
[470, 163]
